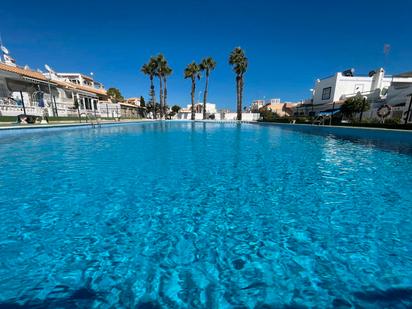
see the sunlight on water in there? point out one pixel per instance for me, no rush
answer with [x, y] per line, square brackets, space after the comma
[199, 215]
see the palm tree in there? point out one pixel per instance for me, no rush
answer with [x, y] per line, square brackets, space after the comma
[192, 71]
[239, 62]
[150, 70]
[167, 71]
[161, 63]
[207, 65]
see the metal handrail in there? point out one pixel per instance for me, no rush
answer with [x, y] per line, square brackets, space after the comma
[89, 117]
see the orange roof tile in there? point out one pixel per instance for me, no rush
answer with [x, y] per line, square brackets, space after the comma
[23, 72]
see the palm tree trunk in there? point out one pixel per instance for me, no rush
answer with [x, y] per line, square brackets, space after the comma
[205, 96]
[238, 106]
[152, 94]
[165, 95]
[193, 97]
[161, 96]
[239, 112]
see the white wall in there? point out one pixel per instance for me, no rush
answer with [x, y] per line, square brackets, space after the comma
[322, 84]
[347, 86]
[188, 116]
[245, 116]
[227, 116]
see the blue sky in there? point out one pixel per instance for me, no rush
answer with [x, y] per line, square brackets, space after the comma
[289, 43]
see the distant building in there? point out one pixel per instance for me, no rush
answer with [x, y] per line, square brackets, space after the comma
[186, 113]
[256, 105]
[210, 108]
[282, 109]
[274, 101]
[134, 101]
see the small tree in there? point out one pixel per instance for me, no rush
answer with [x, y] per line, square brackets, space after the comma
[115, 94]
[354, 105]
[268, 115]
[176, 109]
[142, 102]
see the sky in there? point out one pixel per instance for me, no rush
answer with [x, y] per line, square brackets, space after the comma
[289, 44]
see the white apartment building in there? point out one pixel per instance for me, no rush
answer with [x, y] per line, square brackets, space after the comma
[345, 84]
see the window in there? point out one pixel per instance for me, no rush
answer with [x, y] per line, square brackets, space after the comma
[326, 93]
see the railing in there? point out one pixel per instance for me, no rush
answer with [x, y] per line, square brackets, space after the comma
[15, 110]
[65, 108]
[90, 117]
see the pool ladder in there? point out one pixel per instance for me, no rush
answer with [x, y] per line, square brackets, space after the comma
[94, 121]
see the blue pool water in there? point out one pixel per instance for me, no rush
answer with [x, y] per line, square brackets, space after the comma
[183, 215]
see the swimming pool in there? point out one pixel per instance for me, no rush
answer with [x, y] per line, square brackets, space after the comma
[185, 214]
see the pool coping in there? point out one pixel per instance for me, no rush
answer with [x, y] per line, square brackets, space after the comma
[67, 125]
[318, 128]
[330, 126]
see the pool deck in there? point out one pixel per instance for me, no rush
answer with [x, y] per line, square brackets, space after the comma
[68, 124]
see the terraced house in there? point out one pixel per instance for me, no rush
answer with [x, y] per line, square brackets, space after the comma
[26, 91]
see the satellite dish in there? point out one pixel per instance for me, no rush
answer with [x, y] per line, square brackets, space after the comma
[4, 49]
[48, 68]
[349, 72]
[26, 67]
